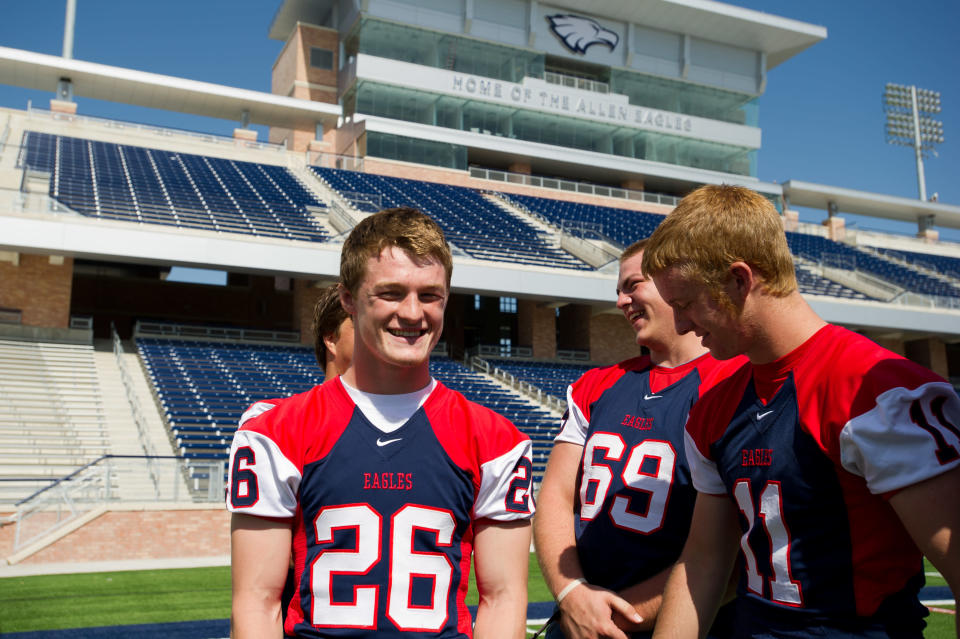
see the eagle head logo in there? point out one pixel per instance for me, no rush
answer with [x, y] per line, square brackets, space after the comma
[578, 32]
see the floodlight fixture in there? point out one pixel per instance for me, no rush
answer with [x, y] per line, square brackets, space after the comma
[909, 123]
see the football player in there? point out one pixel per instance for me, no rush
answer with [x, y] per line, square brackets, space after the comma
[616, 499]
[333, 347]
[332, 333]
[827, 462]
[384, 480]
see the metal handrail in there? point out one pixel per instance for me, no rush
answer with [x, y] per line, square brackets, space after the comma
[90, 487]
[525, 387]
[571, 186]
[138, 418]
[159, 130]
[184, 331]
[65, 478]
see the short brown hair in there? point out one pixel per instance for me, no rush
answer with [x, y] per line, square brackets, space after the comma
[328, 315]
[404, 227]
[633, 249]
[715, 226]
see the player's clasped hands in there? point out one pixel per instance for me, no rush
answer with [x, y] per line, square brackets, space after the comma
[590, 612]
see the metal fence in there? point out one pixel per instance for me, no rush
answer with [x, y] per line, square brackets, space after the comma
[573, 187]
[98, 484]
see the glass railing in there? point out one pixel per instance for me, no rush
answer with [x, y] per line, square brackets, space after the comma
[574, 82]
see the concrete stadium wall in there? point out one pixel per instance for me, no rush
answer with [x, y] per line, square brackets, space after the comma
[151, 531]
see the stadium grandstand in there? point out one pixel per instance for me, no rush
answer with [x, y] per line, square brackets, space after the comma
[542, 138]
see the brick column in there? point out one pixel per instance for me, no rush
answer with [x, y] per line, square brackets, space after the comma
[574, 327]
[930, 352]
[611, 339]
[305, 296]
[39, 286]
[537, 328]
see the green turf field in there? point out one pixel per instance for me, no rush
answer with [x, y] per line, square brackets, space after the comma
[156, 596]
[52, 602]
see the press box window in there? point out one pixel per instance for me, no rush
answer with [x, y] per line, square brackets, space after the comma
[321, 58]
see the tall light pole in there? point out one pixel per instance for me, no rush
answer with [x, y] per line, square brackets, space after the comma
[64, 85]
[909, 123]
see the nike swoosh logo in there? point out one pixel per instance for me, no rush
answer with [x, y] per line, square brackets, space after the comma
[762, 415]
[384, 442]
[652, 396]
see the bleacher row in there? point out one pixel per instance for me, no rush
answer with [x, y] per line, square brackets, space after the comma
[550, 377]
[151, 186]
[53, 418]
[131, 183]
[203, 388]
[470, 221]
[818, 249]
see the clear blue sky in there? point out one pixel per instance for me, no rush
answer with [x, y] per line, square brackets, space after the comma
[822, 116]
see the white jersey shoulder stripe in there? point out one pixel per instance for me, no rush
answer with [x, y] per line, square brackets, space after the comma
[496, 478]
[263, 481]
[573, 429]
[703, 472]
[256, 410]
[909, 436]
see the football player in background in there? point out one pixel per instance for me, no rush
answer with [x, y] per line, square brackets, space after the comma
[615, 504]
[384, 479]
[829, 462]
[332, 333]
[333, 347]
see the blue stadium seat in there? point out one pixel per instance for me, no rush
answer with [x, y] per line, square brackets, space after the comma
[203, 388]
[943, 264]
[150, 186]
[470, 221]
[623, 226]
[550, 377]
[818, 249]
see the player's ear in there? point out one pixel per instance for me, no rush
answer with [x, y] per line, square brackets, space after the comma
[346, 300]
[331, 343]
[741, 281]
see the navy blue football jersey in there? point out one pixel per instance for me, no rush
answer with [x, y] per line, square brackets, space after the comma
[807, 447]
[382, 522]
[634, 493]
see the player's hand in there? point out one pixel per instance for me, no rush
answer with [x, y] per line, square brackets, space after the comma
[588, 613]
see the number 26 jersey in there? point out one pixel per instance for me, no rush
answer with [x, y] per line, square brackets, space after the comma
[382, 522]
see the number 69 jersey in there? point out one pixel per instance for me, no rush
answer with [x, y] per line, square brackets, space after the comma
[382, 522]
[634, 495]
[808, 447]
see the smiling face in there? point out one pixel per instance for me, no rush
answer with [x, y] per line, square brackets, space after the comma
[638, 299]
[696, 309]
[397, 310]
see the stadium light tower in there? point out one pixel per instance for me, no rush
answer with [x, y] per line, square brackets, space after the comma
[909, 123]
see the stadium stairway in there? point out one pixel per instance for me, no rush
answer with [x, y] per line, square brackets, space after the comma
[53, 417]
[133, 483]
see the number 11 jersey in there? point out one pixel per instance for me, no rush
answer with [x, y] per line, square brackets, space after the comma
[809, 447]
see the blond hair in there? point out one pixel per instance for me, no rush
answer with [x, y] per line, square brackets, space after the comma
[404, 227]
[715, 226]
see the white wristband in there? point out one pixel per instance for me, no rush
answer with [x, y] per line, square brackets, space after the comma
[570, 586]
